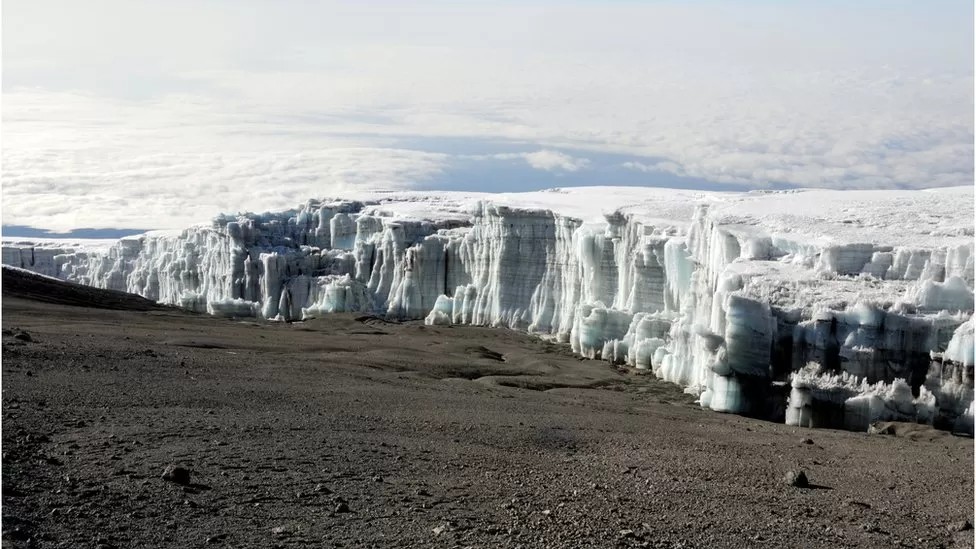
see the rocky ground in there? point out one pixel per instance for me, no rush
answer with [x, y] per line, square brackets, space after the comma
[355, 432]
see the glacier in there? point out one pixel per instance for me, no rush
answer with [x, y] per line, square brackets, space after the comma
[818, 308]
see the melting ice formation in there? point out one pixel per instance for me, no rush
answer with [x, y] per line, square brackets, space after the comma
[828, 308]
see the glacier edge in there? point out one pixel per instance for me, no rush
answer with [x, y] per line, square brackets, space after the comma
[794, 315]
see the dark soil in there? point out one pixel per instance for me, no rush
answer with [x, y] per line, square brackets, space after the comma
[28, 285]
[355, 432]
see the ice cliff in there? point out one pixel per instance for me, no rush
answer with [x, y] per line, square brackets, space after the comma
[826, 308]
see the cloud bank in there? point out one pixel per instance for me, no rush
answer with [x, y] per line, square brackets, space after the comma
[109, 121]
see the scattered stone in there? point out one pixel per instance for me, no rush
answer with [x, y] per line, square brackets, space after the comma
[879, 428]
[855, 503]
[342, 507]
[797, 478]
[179, 475]
[961, 526]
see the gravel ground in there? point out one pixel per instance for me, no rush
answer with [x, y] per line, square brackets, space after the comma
[355, 432]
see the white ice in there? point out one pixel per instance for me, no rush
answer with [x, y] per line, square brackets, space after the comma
[722, 293]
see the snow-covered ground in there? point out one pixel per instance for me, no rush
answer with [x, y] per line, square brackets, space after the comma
[857, 302]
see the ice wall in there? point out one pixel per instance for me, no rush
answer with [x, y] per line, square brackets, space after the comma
[723, 301]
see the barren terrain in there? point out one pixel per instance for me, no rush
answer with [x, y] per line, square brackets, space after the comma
[356, 432]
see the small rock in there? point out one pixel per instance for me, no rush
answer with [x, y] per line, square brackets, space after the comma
[879, 428]
[322, 489]
[806, 441]
[797, 478]
[439, 530]
[23, 336]
[961, 526]
[342, 507]
[855, 503]
[626, 533]
[377, 479]
[546, 512]
[280, 531]
[217, 538]
[423, 493]
[179, 475]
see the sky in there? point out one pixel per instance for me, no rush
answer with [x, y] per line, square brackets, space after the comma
[132, 115]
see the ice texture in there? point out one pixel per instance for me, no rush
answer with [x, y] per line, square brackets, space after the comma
[732, 296]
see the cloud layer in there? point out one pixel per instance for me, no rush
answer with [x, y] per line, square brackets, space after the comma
[109, 121]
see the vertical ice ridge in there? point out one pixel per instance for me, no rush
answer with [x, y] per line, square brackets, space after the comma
[728, 310]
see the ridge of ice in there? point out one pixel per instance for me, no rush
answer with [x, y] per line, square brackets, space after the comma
[728, 295]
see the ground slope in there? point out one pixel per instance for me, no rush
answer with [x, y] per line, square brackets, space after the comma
[429, 437]
[25, 284]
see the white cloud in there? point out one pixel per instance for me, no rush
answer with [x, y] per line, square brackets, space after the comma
[555, 161]
[644, 167]
[174, 164]
[308, 99]
[170, 190]
[544, 159]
